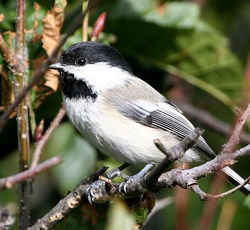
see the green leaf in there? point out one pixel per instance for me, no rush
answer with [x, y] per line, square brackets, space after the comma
[247, 202]
[179, 41]
[79, 158]
[175, 14]
[119, 217]
[133, 8]
[209, 88]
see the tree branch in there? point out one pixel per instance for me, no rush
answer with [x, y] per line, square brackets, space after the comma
[210, 121]
[41, 143]
[204, 195]
[235, 137]
[186, 178]
[67, 204]
[76, 23]
[20, 81]
[8, 182]
[172, 154]
[210, 206]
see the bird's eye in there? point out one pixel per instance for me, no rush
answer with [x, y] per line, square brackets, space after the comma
[81, 61]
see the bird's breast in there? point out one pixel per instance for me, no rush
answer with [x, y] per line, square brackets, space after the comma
[116, 135]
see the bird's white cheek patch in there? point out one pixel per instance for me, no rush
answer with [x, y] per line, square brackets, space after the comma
[100, 76]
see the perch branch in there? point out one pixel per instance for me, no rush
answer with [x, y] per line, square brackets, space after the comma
[172, 154]
[67, 204]
[186, 178]
[209, 207]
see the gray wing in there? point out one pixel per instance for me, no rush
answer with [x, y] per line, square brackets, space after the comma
[146, 106]
[164, 116]
[167, 117]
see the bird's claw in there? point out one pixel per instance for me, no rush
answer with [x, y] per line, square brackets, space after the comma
[97, 192]
[134, 183]
[131, 185]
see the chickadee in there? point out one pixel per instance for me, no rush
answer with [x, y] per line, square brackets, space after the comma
[121, 114]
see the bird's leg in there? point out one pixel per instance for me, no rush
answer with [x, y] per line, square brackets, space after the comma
[134, 181]
[111, 174]
[98, 189]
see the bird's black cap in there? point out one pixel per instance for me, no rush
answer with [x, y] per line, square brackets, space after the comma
[93, 52]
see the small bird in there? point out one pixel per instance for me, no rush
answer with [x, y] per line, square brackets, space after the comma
[121, 114]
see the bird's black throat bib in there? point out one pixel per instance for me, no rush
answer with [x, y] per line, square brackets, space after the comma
[75, 88]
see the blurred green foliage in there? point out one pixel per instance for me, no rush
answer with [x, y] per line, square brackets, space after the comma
[119, 217]
[173, 39]
[79, 158]
[207, 48]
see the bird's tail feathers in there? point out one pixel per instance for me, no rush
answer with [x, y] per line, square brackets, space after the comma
[236, 179]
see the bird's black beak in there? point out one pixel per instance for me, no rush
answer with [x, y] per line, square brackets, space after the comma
[57, 66]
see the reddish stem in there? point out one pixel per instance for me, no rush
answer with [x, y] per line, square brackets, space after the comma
[98, 26]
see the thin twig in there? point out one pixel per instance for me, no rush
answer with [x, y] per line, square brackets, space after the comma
[204, 195]
[219, 180]
[221, 195]
[20, 81]
[41, 143]
[210, 121]
[185, 178]
[76, 23]
[181, 203]
[244, 151]
[234, 139]
[172, 154]
[67, 204]
[9, 182]
[85, 23]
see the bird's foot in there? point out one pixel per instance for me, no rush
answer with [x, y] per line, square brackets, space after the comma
[111, 174]
[133, 183]
[116, 172]
[98, 191]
